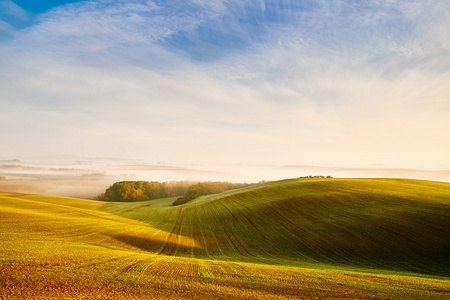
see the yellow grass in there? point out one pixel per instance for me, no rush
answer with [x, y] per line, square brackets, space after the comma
[54, 247]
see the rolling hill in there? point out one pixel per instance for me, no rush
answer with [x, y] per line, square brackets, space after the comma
[296, 238]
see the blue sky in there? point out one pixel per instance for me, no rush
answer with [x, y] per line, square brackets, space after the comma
[23, 13]
[337, 83]
[38, 7]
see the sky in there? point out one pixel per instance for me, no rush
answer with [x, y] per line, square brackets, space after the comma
[327, 82]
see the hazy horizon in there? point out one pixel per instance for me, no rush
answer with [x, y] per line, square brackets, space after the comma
[87, 178]
[337, 84]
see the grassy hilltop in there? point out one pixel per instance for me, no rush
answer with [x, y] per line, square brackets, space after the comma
[296, 238]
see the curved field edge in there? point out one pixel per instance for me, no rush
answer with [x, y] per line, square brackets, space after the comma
[391, 224]
[252, 243]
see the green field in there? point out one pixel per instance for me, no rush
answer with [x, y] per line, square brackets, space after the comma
[290, 239]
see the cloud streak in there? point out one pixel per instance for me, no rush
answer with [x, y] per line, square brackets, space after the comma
[321, 82]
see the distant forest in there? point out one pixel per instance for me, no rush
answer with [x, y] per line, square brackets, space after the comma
[134, 191]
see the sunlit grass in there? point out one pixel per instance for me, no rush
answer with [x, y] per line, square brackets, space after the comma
[329, 238]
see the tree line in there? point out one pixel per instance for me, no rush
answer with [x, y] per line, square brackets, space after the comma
[134, 191]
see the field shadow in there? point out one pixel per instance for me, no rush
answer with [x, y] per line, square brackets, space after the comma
[155, 246]
[146, 244]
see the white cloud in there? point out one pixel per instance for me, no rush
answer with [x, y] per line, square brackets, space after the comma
[5, 28]
[9, 8]
[337, 83]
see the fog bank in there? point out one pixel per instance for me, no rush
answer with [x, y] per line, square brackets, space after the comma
[88, 178]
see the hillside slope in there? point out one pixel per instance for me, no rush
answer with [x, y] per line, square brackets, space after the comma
[285, 239]
[380, 223]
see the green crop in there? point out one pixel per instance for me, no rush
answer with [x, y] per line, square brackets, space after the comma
[296, 238]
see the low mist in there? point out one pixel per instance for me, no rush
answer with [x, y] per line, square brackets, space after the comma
[88, 178]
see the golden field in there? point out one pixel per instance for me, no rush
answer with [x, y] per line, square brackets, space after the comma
[290, 239]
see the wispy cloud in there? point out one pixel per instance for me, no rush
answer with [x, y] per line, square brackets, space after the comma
[9, 9]
[6, 30]
[310, 82]
[12, 18]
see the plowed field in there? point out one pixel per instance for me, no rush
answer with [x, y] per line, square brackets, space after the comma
[291, 239]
